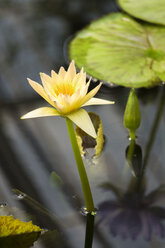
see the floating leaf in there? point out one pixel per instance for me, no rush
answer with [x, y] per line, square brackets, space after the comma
[24, 240]
[147, 10]
[85, 141]
[10, 226]
[15, 233]
[119, 50]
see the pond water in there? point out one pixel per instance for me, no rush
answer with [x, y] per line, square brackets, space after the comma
[130, 210]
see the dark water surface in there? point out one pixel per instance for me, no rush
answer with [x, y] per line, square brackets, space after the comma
[131, 210]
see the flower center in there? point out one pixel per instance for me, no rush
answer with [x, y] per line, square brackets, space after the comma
[65, 90]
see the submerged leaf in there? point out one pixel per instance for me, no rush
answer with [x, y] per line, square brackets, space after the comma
[36, 206]
[56, 180]
[85, 141]
[119, 50]
[147, 10]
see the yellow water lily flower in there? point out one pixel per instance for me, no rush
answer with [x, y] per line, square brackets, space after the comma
[67, 93]
[10, 226]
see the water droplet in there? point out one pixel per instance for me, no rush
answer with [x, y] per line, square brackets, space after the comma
[129, 138]
[112, 85]
[21, 196]
[2, 205]
[84, 211]
[74, 196]
[94, 212]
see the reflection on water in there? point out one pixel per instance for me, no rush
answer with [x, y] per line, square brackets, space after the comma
[34, 36]
[134, 158]
[134, 213]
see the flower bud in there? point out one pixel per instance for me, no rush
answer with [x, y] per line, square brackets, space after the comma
[132, 112]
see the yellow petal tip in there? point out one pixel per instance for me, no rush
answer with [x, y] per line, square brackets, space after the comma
[23, 117]
[28, 79]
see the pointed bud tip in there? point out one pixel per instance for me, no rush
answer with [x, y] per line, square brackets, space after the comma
[132, 112]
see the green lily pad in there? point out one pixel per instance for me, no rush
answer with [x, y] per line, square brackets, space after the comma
[117, 49]
[147, 10]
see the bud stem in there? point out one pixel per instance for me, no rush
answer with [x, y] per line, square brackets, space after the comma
[132, 135]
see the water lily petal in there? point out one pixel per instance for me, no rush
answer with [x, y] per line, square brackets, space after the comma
[97, 101]
[82, 80]
[62, 72]
[47, 83]
[91, 94]
[71, 72]
[63, 104]
[84, 89]
[55, 76]
[41, 112]
[67, 91]
[82, 120]
[40, 90]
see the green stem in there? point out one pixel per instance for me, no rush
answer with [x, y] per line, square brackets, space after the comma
[81, 168]
[89, 230]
